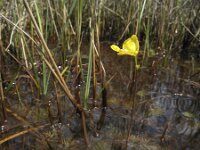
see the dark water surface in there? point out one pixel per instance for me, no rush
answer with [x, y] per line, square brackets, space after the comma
[163, 114]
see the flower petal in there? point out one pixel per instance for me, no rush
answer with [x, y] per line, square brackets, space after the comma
[131, 45]
[125, 52]
[121, 53]
[115, 48]
[135, 40]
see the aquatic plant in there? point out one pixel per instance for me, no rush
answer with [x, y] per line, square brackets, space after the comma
[129, 47]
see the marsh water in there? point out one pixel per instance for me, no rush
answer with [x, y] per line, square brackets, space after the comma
[163, 113]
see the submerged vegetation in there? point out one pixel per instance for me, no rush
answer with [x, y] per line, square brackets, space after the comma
[57, 71]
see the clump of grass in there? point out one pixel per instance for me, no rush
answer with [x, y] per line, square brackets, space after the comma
[157, 23]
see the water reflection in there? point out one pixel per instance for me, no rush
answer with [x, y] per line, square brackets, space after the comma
[165, 110]
[167, 107]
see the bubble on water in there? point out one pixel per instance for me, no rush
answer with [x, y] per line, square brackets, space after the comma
[50, 102]
[97, 134]
[95, 107]
[26, 126]
[77, 86]
[2, 128]
[178, 94]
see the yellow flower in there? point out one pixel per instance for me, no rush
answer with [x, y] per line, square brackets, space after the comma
[129, 47]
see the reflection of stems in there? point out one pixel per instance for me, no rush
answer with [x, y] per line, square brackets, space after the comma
[133, 94]
[32, 129]
[162, 138]
[59, 114]
[104, 98]
[100, 123]
[2, 101]
[84, 128]
[77, 86]
[134, 79]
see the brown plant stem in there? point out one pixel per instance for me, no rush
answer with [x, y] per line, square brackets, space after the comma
[2, 101]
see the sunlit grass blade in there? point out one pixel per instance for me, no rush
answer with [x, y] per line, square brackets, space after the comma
[89, 72]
